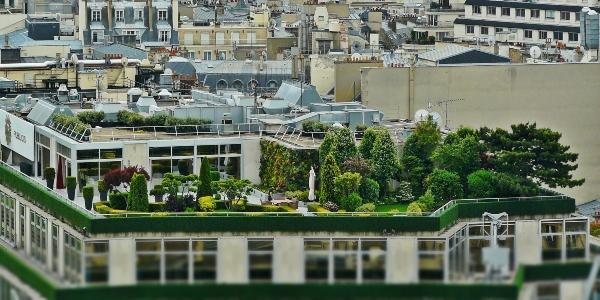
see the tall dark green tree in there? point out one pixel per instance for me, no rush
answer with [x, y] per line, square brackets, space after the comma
[204, 187]
[384, 159]
[530, 152]
[137, 199]
[368, 141]
[340, 143]
[444, 186]
[416, 154]
[329, 171]
[461, 156]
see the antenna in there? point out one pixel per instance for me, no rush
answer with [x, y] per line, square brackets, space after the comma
[495, 258]
[535, 52]
[444, 105]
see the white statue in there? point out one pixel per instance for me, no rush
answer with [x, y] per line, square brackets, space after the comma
[311, 185]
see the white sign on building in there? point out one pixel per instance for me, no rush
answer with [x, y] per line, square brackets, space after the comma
[17, 134]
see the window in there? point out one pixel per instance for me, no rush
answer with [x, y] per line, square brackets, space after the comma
[260, 259]
[535, 13]
[204, 39]
[188, 39]
[528, 34]
[543, 35]
[55, 245]
[235, 38]
[139, 15]
[564, 239]
[148, 253]
[577, 16]
[573, 36]
[558, 36]
[22, 215]
[491, 10]
[520, 12]
[431, 259]
[97, 36]
[7, 218]
[498, 29]
[549, 14]
[505, 11]
[204, 260]
[72, 257]
[38, 225]
[251, 37]
[163, 36]
[344, 260]
[565, 15]
[484, 30]
[96, 262]
[162, 15]
[220, 38]
[96, 16]
[470, 29]
[176, 260]
[476, 9]
[131, 32]
[222, 55]
[119, 15]
[207, 55]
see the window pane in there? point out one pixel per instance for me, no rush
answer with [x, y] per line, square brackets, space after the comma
[160, 167]
[204, 267]
[96, 269]
[260, 267]
[176, 267]
[575, 246]
[431, 245]
[315, 245]
[107, 166]
[89, 169]
[231, 149]
[210, 245]
[149, 245]
[552, 227]
[551, 248]
[160, 151]
[431, 266]
[174, 245]
[344, 267]
[87, 154]
[207, 150]
[576, 226]
[111, 153]
[148, 267]
[316, 267]
[347, 245]
[373, 265]
[183, 151]
[266, 245]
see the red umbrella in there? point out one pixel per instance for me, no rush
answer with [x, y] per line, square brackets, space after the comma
[60, 184]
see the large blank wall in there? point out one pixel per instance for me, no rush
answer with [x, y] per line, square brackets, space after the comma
[563, 97]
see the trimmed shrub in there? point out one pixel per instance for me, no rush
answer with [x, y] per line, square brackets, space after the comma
[157, 207]
[118, 200]
[49, 174]
[137, 200]
[427, 202]
[206, 204]
[102, 188]
[346, 184]
[315, 207]
[369, 190]
[88, 196]
[71, 182]
[482, 184]
[351, 202]
[184, 166]
[215, 176]
[445, 186]
[204, 187]
[414, 209]
[367, 207]
[404, 192]
[103, 208]
[93, 118]
[299, 195]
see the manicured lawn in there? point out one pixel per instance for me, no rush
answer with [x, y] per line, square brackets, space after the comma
[401, 207]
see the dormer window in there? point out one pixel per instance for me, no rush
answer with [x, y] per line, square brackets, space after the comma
[119, 15]
[139, 15]
[162, 15]
[96, 16]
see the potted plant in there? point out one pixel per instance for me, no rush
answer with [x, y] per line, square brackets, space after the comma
[158, 192]
[71, 186]
[184, 167]
[102, 190]
[88, 196]
[49, 174]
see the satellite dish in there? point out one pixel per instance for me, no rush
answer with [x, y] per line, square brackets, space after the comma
[421, 115]
[124, 61]
[535, 52]
[436, 117]
[74, 59]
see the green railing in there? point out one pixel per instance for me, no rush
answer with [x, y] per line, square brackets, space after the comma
[78, 217]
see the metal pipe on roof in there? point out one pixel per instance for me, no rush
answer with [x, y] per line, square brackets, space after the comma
[28, 65]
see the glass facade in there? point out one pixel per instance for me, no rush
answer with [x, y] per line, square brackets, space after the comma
[564, 240]
[72, 258]
[94, 163]
[38, 226]
[224, 158]
[7, 219]
[96, 262]
[260, 259]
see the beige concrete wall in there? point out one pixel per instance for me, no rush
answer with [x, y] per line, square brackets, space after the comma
[348, 78]
[528, 246]
[402, 261]
[322, 73]
[121, 259]
[562, 97]
[232, 261]
[136, 154]
[571, 290]
[46, 50]
[288, 260]
[251, 160]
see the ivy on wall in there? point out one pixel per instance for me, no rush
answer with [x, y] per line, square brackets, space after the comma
[282, 168]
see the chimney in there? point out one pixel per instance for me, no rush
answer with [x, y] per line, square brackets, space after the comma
[110, 15]
[6, 41]
[150, 12]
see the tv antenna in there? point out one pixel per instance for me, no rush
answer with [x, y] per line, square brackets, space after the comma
[444, 105]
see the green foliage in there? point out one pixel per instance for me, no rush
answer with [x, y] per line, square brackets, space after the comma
[300, 195]
[369, 190]
[367, 207]
[133, 119]
[445, 186]
[158, 190]
[71, 182]
[102, 186]
[530, 152]
[460, 156]
[72, 122]
[88, 192]
[356, 164]
[206, 204]
[482, 184]
[340, 143]
[283, 168]
[315, 207]
[94, 118]
[351, 202]
[315, 126]
[235, 190]
[368, 141]
[404, 192]
[427, 202]
[204, 188]
[157, 207]
[215, 175]
[137, 199]
[118, 200]
[104, 208]
[346, 184]
[329, 171]
[384, 159]
[414, 209]
[416, 155]
[49, 173]
[361, 127]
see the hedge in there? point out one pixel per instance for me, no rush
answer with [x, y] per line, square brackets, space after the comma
[26, 273]
[38, 194]
[552, 272]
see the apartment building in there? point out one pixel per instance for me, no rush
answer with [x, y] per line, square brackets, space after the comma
[523, 22]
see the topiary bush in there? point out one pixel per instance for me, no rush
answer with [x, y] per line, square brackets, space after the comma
[118, 200]
[414, 209]
[367, 207]
[137, 200]
[369, 190]
[315, 207]
[351, 202]
[206, 204]
[88, 196]
[204, 186]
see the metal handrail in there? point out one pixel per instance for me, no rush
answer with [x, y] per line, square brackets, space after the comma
[450, 203]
